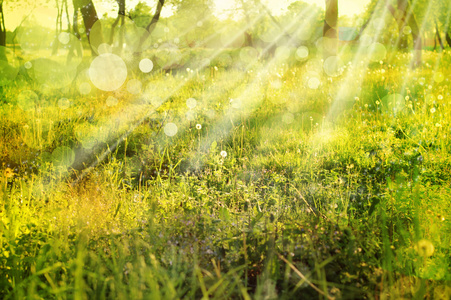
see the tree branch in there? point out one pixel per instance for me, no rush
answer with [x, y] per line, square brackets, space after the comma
[365, 25]
[153, 23]
[151, 26]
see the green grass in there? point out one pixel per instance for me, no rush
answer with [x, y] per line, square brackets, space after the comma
[315, 198]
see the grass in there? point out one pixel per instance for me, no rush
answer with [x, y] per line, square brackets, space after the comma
[313, 197]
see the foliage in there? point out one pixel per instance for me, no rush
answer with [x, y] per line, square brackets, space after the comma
[350, 203]
[220, 171]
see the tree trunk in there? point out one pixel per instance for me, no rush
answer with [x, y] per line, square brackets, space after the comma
[273, 19]
[67, 14]
[75, 24]
[247, 34]
[401, 42]
[372, 7]
[153, 23]
[404, 16]
[151, 26]
[2, 34]
[416, 35]
[330, 29]
[437, 33]
[120, 17]
[365, 25]
[58, 21]
[88, 12]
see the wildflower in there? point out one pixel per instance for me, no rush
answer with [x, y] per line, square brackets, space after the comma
[377, 103]
[8, 173]
[198, 126]
[223, 153]
[432, 110]
[424, 248]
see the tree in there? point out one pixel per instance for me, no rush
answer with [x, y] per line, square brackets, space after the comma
[151, 26]
[308, 21]
[401, 42]
[120, 17]
[330, 29]
[409, 19]
[89, 14]
[2, 33]
[194, 19]
[59, 22]
[403, 15]
[156, 17]
[248, 35]
[443, 16]
[437, 33]
[370, 10]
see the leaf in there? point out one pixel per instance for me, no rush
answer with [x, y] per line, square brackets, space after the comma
[225, 214]
[117, 209]
[375, 201]
[256, 219]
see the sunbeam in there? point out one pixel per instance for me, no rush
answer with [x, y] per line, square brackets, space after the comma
[353, 78]
[281, 150]
[135, 122]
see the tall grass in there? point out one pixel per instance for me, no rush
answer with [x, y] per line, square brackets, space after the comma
[302, 206]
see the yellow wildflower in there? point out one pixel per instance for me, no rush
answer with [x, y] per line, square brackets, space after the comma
[8, 173]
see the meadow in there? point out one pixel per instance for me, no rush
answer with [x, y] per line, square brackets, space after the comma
[246, 179]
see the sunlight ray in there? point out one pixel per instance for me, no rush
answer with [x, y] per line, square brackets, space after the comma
[446, 26]
[227, 123]
[353, 77]
[134, 123]
[412, 60]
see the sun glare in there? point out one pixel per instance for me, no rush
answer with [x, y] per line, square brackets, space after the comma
[225, 149]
